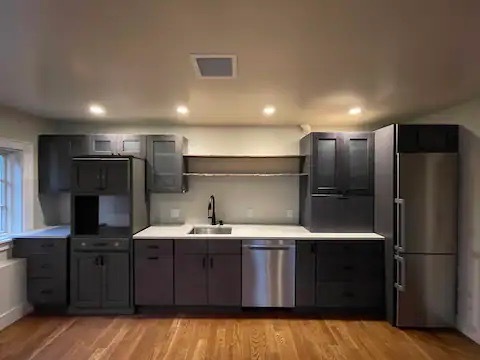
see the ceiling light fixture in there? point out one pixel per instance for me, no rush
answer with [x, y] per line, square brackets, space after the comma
[182, 110]
[97, 110]
[269, 110]
[355, 111]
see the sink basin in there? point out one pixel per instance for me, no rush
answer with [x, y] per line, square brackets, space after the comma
[211, 230]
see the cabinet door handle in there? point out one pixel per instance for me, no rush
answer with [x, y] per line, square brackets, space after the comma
[348, 294]
[312, 248]
[153, 258]
[211, 263]
[348, 267]
[204, 260]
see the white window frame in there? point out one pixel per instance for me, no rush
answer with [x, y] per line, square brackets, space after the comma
[21, 154]
[4, 190]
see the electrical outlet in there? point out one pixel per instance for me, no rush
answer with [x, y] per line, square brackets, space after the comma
[174, 213]
[290, 214]
[250, 213]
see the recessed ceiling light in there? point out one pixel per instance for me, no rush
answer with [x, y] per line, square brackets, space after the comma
[269, 110]
[355, 111]
[97, 110]
[182, 110]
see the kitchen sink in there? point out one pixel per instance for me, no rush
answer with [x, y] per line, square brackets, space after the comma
[211, 230]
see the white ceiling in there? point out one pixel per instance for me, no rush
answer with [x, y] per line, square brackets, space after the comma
[312, 59]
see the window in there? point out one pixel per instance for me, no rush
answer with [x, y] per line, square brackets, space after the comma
[11, 192]
[3, 192]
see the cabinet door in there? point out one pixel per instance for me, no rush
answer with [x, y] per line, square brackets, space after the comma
[115, 176]
[116, 280]
[190, 279]
[358, 163]
[55, 154]
[326, 167]
[102, 144]
[135, 145]
[87, 176]
[165, 164]
[154, 280]
[86, 280]
[342, 214]
[305, 273]
[427, 138]
[225, 280]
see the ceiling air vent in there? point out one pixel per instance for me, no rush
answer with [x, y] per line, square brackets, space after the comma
[215, 66]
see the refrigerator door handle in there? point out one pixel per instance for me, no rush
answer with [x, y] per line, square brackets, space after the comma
[400, 285]
[400, 245]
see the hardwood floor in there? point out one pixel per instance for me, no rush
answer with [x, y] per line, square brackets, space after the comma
[54, 338]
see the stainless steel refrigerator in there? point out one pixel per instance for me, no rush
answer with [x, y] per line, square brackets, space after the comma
[423, 234]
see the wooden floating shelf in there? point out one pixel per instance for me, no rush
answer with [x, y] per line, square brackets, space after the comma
[242, 175]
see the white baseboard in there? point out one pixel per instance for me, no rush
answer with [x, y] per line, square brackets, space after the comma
[14, 314]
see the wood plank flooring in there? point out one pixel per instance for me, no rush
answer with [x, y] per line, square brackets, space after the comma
[53, 338]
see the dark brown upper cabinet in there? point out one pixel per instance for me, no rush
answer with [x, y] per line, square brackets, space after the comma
[55, 153]
[340, 163]
[117, 144]
[103, 144]
[106, 176]
[165, 164]
[134, 145]
[427, 138]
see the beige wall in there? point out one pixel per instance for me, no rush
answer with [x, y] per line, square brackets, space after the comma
[18, 126]
[467, 115]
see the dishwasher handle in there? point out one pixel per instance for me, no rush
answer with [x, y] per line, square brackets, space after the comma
[266, 247]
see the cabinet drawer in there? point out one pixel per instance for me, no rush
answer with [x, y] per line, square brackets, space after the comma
[46, 292]
[191, 246]
[352, 249]
[350, 295]
[153, 247]
[47, 266]
[27, 247]
[224, 246]
[100, 244]
[349, 269]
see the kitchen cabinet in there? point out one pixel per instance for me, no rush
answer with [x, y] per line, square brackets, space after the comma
[305, 273]
[103, 144]
[134, 145]
[208, 274]
[154, 272]
[326, 167]
[100, 280]
[191, 279]
[55, 153]
[46, 269]
[427, 138]
[342, 213]
[106, 176]
[224, 280]
[341, 163]
[165, 164]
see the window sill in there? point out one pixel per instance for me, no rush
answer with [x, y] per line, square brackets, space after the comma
[5, 243]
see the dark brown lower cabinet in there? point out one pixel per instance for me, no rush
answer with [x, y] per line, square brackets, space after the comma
[209, 274]
[305, 273]
[100, 280]
[191, 279]
[224, 280]
[154, 280]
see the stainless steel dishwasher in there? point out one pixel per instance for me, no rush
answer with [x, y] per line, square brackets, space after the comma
[268, 273]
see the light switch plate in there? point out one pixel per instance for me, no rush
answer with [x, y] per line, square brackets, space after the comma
[250, 213]
[174, 213]
[290, 214]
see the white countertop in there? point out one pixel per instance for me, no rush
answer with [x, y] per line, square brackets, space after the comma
[54, 232]
[250, 231]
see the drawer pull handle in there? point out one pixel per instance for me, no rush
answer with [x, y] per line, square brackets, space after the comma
[46, 291]
[100, 244]
[348, 267]
[153, 258]
[47, 245]
[152, 246]
[45, 266]
[348, 294]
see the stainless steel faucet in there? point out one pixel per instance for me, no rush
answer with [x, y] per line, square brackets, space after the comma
[211, 210]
